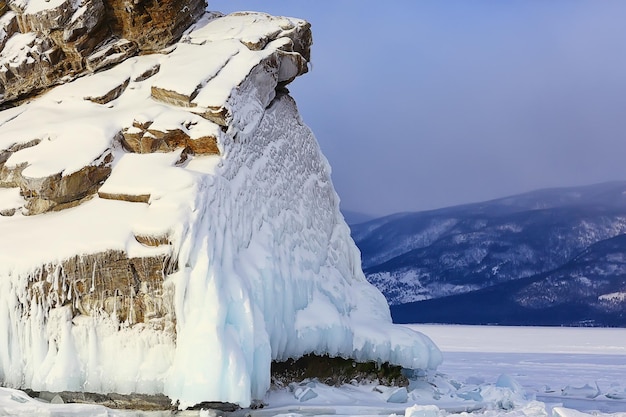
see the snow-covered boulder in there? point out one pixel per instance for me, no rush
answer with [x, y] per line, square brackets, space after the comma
[169, 225]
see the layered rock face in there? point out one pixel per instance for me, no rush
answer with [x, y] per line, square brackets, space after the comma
[188, 231]
[43, 41]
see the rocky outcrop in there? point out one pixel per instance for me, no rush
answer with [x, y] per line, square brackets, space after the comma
[110, 95]
[118, 153]
[112, 400]
[109, 283]
[335, 371]
[243, 68]
[188, 233]
[278, 55]
[56, 191]
[141, 139]
[43, 43]
[152, 24]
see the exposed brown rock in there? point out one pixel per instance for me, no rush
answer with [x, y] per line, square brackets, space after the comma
[152, 24]
[134, 401]
[259, 85]
[140, 198]
[36, 205]
[292, 64]
[110, 95]
[300, 35]
[110, 54]
[63, 189]
[206, 145]
[144, 141]
[173, 97]
[44, 194]
[168, 141]
[154, 241]
[47, 19]
[23, 74]
[63, 36]
[111, 283]
[141, 139]
[288, 44]
[78, 37]
[336, 371]
[11, 177]
[302, 38]
[147, 73]
[88, 17]
[167, 89]
[142, 125]
[217, 114]
[8, 24]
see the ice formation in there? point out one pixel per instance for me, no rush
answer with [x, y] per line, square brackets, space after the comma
[210, 193]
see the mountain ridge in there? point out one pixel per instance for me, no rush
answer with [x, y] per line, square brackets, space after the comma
[435, 254]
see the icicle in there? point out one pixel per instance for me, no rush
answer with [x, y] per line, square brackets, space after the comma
[55, 282]
[103, 294]
[63, 290]
[115, 316]
[93, 277]
[131, 309]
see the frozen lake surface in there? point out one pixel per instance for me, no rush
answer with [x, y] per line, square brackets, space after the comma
[559, 372]
[549, 362]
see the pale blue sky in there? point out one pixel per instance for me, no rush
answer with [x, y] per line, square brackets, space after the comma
[425, 104]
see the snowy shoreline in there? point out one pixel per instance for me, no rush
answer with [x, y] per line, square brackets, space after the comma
[558, 372]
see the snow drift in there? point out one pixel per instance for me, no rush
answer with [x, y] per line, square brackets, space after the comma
[169, 226]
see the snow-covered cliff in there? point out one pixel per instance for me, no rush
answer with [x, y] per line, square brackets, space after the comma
[168, 225]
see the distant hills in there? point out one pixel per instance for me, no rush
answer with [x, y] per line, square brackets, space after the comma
[548, 257]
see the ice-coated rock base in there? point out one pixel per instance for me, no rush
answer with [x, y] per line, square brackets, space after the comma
[169, 225]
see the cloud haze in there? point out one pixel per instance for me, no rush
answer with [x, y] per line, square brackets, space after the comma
[420, 105]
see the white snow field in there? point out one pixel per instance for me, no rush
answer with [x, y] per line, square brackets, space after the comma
[487, 372]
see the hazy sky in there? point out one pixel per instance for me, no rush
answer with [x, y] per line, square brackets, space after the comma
[425, 104]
